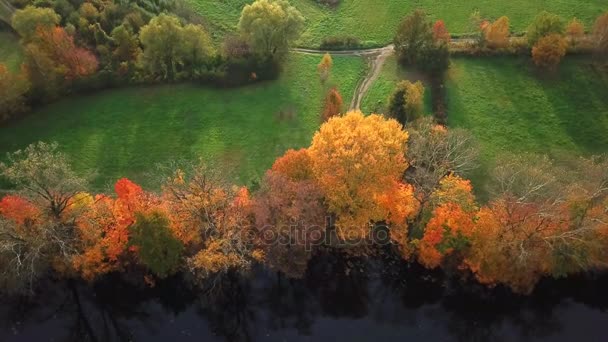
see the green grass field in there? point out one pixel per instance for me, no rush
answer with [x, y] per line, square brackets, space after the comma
[511, 109]
[376, 99]
[10, 52]
[375, 21]
[124, 132]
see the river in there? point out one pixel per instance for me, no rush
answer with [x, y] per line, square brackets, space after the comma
[337, 300]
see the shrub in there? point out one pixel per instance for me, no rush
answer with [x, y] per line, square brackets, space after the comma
[543, 25]
[548, 51]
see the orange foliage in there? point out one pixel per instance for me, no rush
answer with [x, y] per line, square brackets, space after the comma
[549, 51]
[296, 165]
[333, 104]
[355, 160]
[74, 61]
[440, 32]
[446, 232]
[18, 209]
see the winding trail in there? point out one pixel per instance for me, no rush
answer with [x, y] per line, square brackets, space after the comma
[375, 58]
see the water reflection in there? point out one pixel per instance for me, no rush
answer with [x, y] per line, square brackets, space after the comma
[339, 298]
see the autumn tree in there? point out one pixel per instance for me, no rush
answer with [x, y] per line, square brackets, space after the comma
[38, 223]
[155, 245]
[13, 88]
[548, 52]
[355, 160]
[544, 24]
[290, 218]
[497, 33]
[440, 32]
[333, 104]
[211, 219]
[103, 228]
[600, 35]
[294, 164]
[575, 31]
[324, 67]
[44, 175]
[52, 61]
[406, 104]
[531, 229]
[27, 21]
[270, 26]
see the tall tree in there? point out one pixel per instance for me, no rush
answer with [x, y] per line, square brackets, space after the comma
[270, 26]
[406, 104]
[333, 104]
[544, 24]
[356, 159]
[497, 33]
[324, 67]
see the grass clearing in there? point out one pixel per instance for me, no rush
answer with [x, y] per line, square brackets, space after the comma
[376, 99]
[375, 22]
[124, 132]
[511, 109]
[10, 51]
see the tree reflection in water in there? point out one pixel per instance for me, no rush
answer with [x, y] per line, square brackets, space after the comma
[338, 297]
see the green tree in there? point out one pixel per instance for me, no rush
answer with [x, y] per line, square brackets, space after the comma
[543, 25]
[270, 26]
[416, 44]
[170, 48]
[406, 103]
[415, 34]
[157, 248]
[27, 20]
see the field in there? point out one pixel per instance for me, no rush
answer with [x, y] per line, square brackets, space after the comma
[375, 21]
[509, 108]
[124, 132]
[376, 99]
[10, 54]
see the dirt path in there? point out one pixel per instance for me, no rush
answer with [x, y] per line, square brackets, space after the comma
[375, 58]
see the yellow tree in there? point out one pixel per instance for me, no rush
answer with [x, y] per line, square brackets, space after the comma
[356, 160]
[575, 31]
[324, 67]
[497, 33]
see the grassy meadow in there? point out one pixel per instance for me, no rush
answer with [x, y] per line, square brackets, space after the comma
[375, 21]
[124, 132]
[510, 108]
[376, 99]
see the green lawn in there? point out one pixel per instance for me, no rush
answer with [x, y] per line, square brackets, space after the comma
[375, 21]
[376, 99]
[124, 132]
[10, 51]
[510, 108]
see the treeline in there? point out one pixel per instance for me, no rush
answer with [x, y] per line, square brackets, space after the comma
[72, 45]
[361, 178]
[426, 44]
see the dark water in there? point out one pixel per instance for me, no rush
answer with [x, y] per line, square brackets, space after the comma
[371, 301]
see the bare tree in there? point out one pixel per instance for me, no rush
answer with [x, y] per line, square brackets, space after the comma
[434, 152]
